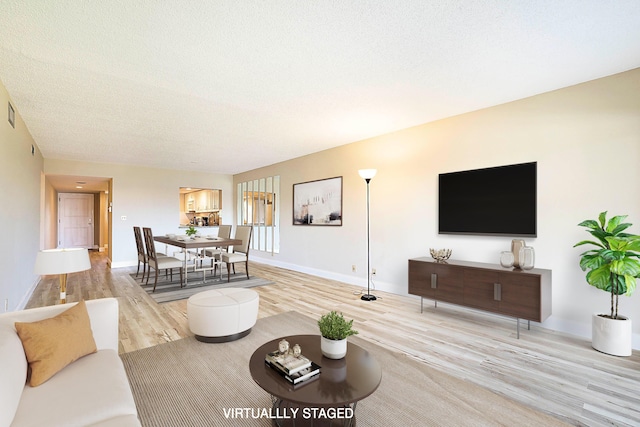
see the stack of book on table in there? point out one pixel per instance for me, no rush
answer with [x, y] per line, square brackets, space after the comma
[293, 369]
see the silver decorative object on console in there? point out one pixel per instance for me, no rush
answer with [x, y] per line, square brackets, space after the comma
[440, 254]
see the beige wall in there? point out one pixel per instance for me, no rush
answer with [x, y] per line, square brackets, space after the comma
[20, 201]
[585, 138]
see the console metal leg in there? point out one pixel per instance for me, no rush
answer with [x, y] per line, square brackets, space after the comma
[421, 301]
[518, 327]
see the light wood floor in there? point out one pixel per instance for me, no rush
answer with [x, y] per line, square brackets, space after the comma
[550, 371]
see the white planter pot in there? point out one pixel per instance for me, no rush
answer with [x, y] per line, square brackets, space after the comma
[611, 336]
[333, 349]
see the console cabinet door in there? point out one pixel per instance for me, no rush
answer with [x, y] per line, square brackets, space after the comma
[448, 282]
[435, 281]
[420, 279]
[482, 289]
[521, 296]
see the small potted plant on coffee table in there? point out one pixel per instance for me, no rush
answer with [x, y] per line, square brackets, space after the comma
[335, 329]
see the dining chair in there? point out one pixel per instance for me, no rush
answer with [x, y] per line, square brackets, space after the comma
[142, 255]
[211, 254]
[159, 262]
[224, 231]
[240, 253]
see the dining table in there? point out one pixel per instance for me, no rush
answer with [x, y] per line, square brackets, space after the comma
[198, 242]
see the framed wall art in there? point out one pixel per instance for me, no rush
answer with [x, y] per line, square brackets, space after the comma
[318, 202]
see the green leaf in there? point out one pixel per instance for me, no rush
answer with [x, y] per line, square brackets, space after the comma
[614, 222]
[630, 283]
[634, 244]
[589, 223]
[616, 244]
[603, 219]
[626, 267]
[621, 285]
[589, 242]
[600, 278]
[590, 262]
[600, 235]
[616, 231]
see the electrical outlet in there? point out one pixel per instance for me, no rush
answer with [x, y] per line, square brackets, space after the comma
[123, 217]
[353, 268]
[373, 271]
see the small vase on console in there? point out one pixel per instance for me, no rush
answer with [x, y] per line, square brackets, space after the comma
[526, 257]
[506, 259]
[516, 245]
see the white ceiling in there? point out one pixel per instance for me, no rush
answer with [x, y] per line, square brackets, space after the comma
[228, 86]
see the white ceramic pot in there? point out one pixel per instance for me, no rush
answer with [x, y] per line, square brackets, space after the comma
[611, 336]
[333, 349]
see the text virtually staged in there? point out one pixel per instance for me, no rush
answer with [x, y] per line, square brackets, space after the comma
[289, 413]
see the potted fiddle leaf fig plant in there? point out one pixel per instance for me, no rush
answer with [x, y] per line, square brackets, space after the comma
[335, 329]
[612, 266]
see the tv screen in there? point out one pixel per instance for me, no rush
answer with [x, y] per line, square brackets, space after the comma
[492, 201]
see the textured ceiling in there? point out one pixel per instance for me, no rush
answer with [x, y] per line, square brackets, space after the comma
[229, 86]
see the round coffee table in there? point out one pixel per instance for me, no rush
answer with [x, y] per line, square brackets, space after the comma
[326, 400]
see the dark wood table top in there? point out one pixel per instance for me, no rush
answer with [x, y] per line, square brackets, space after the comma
[198, 242]
[340, 382]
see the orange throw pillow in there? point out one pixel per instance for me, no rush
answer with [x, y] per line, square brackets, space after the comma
[51, 344]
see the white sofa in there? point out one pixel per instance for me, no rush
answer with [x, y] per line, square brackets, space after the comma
[92, 391]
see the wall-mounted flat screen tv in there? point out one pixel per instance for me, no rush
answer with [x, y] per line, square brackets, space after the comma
[493, 201]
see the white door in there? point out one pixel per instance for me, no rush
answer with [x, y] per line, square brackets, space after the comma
[75, 220]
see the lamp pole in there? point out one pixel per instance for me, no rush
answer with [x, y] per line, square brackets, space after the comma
[368, 174]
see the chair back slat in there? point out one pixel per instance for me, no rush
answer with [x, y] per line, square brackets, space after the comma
[149, 243]
[139, 242]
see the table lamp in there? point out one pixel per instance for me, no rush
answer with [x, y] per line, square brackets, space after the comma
[62, 262]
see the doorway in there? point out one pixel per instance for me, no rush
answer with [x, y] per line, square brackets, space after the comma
[76, 220]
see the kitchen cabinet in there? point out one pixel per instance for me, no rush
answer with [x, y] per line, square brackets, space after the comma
[204, 201]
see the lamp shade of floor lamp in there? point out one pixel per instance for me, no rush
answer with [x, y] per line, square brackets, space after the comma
[367, 175]
[62, 262]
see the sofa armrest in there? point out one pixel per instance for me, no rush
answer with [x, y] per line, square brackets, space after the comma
[103, 314]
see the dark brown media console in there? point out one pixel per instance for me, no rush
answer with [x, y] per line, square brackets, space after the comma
[523, 294]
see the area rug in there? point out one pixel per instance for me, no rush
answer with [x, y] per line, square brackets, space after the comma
[189, 383]
[169, 290]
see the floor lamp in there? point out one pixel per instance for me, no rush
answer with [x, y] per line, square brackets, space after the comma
[62, 262]
[368, 174]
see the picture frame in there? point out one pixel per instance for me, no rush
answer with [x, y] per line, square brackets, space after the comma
[318, 202]
[12, 116]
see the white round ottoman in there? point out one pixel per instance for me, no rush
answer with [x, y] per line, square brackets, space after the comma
[222, 315]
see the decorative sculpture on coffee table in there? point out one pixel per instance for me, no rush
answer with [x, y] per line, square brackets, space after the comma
[283, 347]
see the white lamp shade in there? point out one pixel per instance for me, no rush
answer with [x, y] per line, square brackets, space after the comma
[367, 173]
[61, 261]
